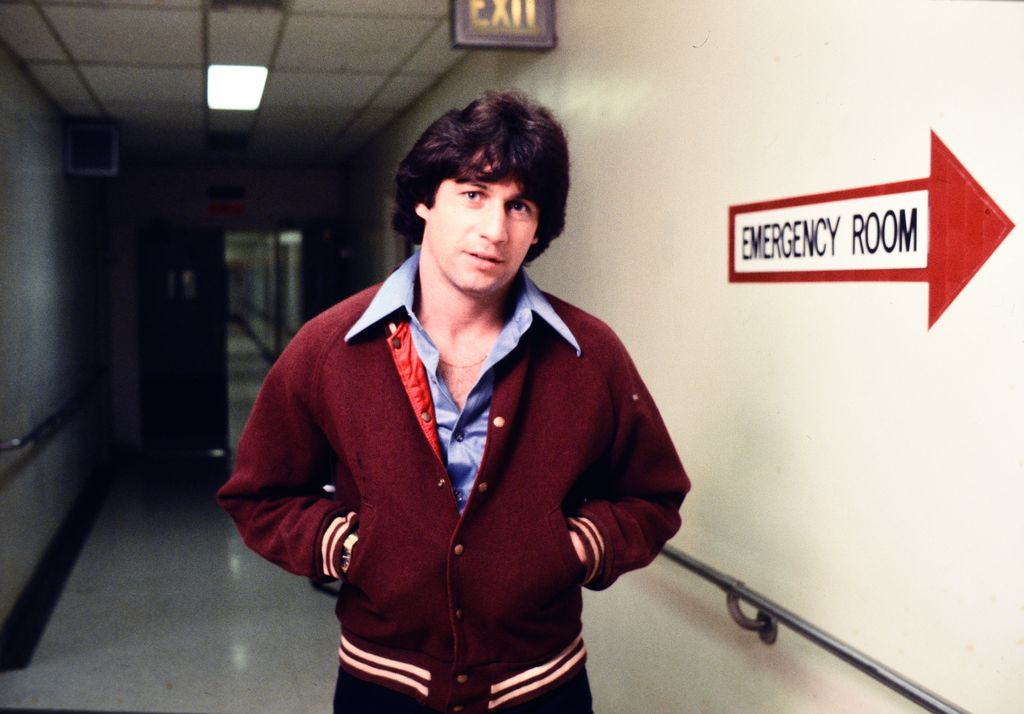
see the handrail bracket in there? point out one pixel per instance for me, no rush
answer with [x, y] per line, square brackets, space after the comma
[766, 626]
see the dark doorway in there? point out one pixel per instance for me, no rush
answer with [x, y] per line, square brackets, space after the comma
[183, 314]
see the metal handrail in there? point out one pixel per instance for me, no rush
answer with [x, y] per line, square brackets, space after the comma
[769, 614]
[48, 425]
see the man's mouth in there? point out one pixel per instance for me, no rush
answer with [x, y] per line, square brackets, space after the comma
[482, 256]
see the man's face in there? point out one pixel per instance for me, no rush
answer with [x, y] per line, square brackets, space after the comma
[477, 235]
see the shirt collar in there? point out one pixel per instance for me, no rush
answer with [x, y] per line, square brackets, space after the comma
[399, 291]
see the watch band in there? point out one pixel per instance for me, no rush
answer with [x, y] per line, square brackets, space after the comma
[346, 550]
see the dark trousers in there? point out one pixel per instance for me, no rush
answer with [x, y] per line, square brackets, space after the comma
[355, 696]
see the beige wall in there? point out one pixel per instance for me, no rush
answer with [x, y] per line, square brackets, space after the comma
[853, 465]
[52, 328]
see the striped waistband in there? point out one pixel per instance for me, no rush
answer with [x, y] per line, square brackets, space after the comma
[416, 681]
[540, 678]
[395, 672]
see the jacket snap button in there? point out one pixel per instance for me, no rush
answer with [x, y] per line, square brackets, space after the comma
[482, 488]
[425, 416]
[396, 343]
[457, 708]
[459, 614]
[459, 549]
[499, 421]
[462, 678]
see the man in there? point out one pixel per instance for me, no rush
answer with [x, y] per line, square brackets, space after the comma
[492, 449]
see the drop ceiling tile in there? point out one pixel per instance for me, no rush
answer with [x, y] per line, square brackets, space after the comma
[159, 115]
[135, 85]
[348, 145]
[232, 121]
[243, 37]
[370, 122]
[301, 149]
[323, 89]
[406, 8]
[82, 110]
[141, 144]
[401, 90]
[318, 138]
[293, 119]
[24, 31]
[281, 156]
[61, 83]
[129, 34]
[350, 43]
[436, 56]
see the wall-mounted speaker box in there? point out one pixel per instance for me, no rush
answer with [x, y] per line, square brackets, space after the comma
[90, 149]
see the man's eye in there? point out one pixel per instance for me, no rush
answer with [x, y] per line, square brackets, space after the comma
[472, 195]
[520, 207]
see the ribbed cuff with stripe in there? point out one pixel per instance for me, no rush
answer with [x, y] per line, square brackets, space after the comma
[593, 544]
[331, 544]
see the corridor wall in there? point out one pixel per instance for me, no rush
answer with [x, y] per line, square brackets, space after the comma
[177, 197]
[859, 467]
[53, 329]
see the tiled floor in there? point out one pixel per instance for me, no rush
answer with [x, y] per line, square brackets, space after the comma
[167, 611]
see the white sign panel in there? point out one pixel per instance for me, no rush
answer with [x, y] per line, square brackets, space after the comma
[871, 233]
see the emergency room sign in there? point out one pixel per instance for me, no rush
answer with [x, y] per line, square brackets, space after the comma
[939, 230]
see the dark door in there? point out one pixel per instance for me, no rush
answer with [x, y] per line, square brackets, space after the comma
[183, 312]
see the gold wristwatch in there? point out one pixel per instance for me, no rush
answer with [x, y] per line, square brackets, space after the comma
[346, 550]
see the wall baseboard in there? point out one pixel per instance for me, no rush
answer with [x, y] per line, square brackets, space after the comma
[23, 629]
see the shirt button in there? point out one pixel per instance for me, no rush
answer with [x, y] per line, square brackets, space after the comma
[425, 416]
[482, 488]
[460, 436]
[458, 549]
[499, 421]
[462, 678]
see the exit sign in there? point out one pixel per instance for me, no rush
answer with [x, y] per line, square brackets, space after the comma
[502, 24]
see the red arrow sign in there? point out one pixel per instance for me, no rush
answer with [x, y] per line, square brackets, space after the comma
[965, 227]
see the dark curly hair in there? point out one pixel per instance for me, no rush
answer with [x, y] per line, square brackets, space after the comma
[498, 137]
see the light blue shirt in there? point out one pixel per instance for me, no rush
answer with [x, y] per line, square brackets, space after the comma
[462, 434]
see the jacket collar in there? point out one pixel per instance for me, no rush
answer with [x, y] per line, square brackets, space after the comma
[399, 290]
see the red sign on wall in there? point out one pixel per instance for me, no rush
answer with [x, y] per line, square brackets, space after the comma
[939, 230]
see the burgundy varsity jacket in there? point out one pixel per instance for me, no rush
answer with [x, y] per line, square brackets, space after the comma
[471, 613]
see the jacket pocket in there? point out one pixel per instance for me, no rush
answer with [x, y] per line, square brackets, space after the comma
[562, 540]
[533, 588]
[393, 576]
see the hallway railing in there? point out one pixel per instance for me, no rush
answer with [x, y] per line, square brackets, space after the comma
[50, 424]
[769, 615]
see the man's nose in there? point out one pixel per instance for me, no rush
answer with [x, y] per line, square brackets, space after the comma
[493, 222]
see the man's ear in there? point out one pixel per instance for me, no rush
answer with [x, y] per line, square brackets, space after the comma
[422, 211]
[535, 240]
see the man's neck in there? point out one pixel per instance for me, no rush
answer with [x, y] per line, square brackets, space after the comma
[453, 318]
[456, 318]
[463, 327]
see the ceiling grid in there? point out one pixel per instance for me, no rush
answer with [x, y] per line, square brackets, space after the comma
[339, 70]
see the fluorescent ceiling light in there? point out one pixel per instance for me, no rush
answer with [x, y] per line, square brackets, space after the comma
[230, 86]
